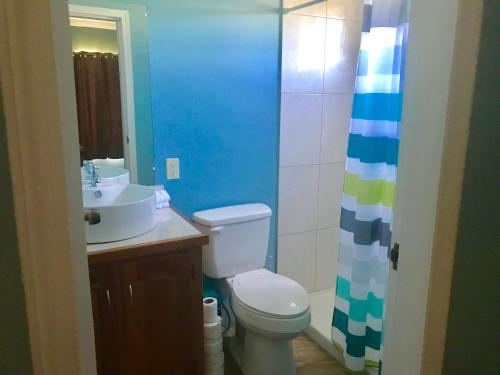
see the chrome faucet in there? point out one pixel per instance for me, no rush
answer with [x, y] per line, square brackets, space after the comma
[91, 174]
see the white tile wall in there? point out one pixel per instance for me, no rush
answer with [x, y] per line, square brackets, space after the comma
[300, 133]
[296, 258]
[320, 50]
[337, 109]
[345, 9]
[331, 181]
[327, 252]
[298, 199]
[341, 55]
[303, 53]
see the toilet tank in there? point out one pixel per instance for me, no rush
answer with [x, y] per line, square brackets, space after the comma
[239, 236]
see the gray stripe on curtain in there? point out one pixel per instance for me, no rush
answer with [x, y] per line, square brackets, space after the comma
[365, 232]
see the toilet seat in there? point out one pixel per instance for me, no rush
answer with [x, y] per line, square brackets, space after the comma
[270, 294]
[270, 301]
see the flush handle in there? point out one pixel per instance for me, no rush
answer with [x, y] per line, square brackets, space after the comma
[218, 229]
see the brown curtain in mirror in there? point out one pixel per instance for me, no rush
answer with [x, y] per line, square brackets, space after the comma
[97, 83]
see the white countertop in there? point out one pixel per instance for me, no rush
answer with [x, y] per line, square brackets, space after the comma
[170, 226]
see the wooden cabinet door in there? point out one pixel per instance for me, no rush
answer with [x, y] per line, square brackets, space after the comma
[106, 306]
[163, 314]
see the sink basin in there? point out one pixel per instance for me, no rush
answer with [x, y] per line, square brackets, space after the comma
[109, 175]
[117, 212]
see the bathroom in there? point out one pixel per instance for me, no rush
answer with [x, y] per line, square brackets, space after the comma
[225, 172]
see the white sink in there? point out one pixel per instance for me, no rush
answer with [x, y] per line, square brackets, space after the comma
[109, 175]
[117, 212]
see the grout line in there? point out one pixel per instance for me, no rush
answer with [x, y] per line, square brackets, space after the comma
[303, 232]
[325, 17]
[309, 231]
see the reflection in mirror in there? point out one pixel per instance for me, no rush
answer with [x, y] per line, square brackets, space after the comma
[117, 40]
[97, 84]
[99, 100]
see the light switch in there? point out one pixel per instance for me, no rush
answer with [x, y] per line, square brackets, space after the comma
[173, 172]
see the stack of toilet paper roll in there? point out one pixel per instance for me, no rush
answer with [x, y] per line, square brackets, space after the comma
[214, 354]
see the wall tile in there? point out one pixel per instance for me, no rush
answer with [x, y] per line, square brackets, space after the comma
[298, 199]
[331, 182]
[314, 10]
[300, 131]
[303, 54]
[297, 258]
[327, 252]
[345, 9]
[337, 109]
[341, 55]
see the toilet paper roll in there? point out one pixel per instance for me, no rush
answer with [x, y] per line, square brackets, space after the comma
[213, 345]
[210, 309]
[214, 360]
[215, 371]
[213, 330]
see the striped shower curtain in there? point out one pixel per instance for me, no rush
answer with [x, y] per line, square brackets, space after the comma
[369, 184]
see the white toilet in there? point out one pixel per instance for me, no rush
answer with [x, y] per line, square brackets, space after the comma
[270, 309]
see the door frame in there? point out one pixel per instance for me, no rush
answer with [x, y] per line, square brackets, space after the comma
[37, 83]
[122, 19]
[442, 55]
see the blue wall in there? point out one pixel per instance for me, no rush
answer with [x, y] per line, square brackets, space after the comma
[215, 101]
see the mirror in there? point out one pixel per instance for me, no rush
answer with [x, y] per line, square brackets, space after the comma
[114, 131]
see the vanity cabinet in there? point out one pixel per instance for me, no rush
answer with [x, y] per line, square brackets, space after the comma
[147, 309]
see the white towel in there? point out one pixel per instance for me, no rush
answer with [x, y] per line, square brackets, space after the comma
[162, 199]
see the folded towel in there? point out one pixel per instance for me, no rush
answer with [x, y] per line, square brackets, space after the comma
[162, 199]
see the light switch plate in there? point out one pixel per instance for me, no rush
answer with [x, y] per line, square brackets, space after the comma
[173, 172]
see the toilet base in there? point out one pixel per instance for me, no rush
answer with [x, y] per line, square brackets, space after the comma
[263, 355]
[257, 354]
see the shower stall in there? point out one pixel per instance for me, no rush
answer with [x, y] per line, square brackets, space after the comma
[320, 47]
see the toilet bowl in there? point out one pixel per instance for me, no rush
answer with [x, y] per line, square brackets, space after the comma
[270, 309]
[273, 310]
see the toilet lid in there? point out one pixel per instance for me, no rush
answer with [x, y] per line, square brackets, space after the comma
[270, 294]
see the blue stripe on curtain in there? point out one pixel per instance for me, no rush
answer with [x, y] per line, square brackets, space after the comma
[377, 106]
[373, 149]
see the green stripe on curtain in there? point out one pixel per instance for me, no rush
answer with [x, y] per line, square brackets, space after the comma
[369, 191]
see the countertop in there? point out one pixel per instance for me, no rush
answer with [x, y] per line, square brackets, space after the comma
[172, 229]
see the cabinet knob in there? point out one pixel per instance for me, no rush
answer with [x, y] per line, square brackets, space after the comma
[131, 291]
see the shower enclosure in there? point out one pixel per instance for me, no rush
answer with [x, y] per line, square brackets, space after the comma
[320, 52]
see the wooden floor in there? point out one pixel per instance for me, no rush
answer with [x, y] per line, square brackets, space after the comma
[310, 359]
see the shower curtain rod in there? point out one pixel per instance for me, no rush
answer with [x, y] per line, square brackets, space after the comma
[301, 6]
